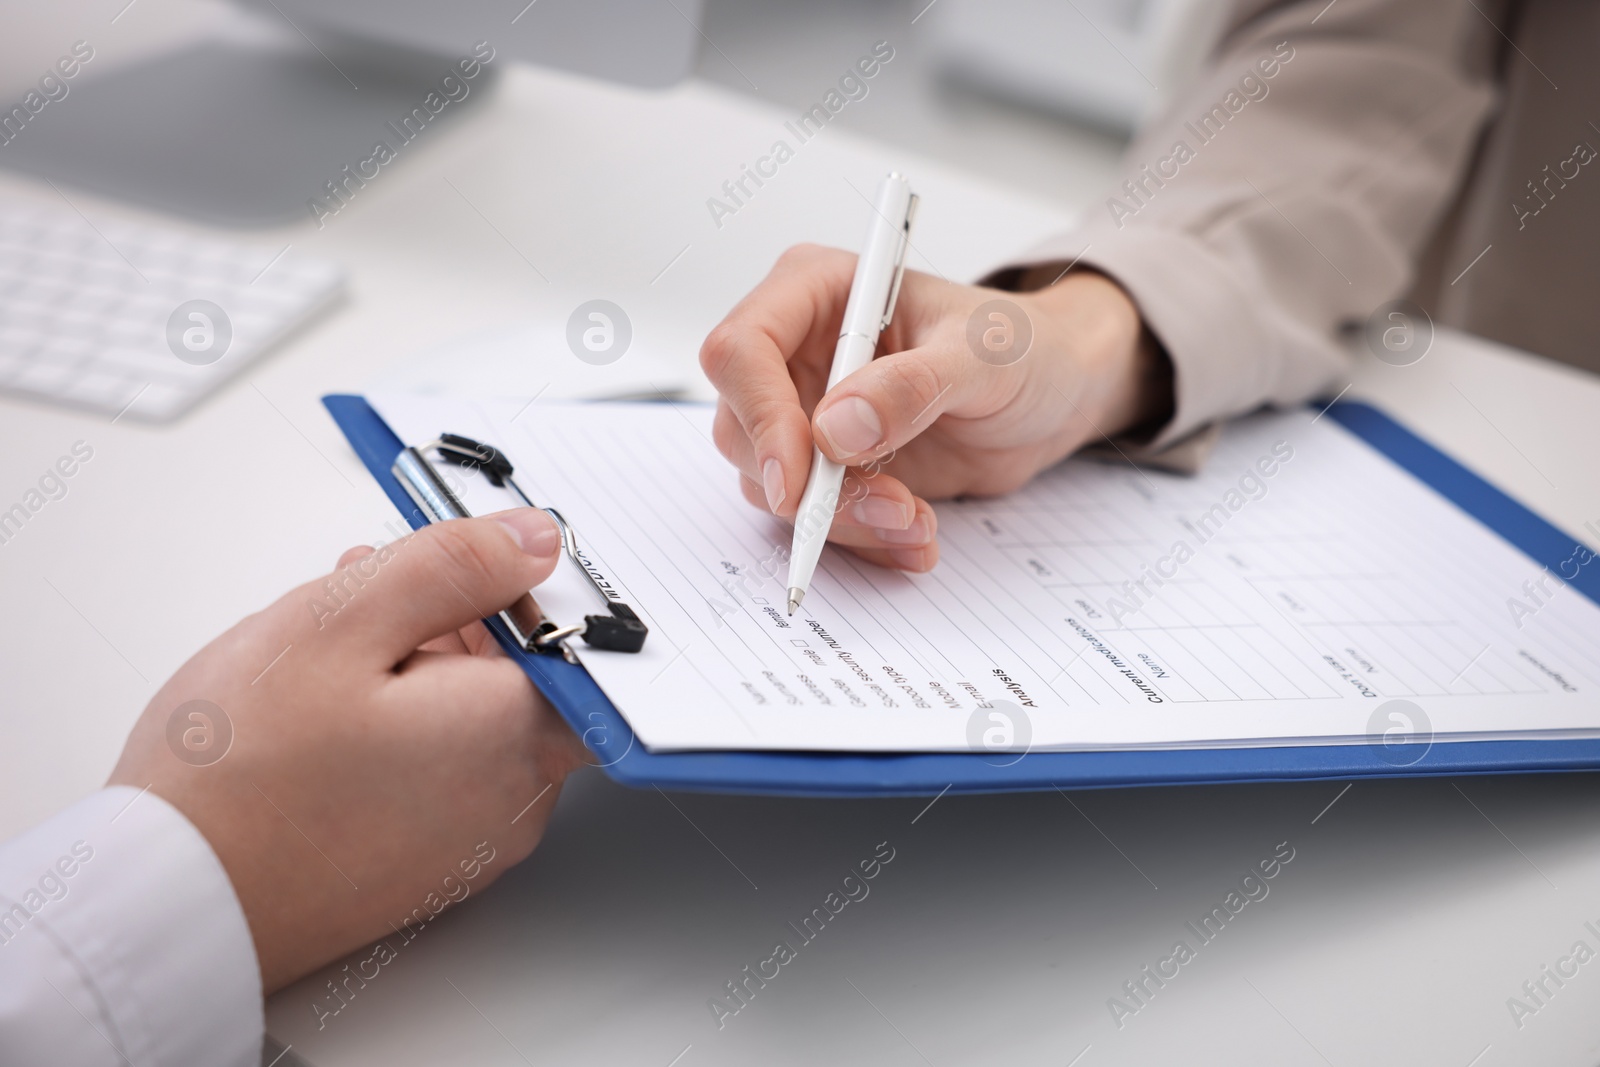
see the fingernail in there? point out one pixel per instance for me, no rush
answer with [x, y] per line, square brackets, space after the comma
[533, 531]
[850, 426]
[772, 482]
[918, 533]
[911, 559]
[881, 513]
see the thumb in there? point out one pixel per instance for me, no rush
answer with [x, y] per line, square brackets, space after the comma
[437, 580]
[894, 398]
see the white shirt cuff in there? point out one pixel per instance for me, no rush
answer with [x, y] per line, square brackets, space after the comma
[122, 941]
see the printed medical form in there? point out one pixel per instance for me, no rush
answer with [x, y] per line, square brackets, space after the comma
[1280, 597]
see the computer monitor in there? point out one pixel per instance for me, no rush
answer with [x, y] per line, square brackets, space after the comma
[251, 130]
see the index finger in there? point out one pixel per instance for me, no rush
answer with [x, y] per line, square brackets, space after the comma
[751, 358]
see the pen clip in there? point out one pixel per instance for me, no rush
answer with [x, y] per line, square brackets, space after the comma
[899, 263]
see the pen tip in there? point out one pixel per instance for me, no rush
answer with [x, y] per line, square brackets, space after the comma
[795, 596]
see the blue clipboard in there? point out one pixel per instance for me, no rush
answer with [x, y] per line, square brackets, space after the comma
[607, 735]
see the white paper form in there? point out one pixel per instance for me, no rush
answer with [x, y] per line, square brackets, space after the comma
[1283, 596]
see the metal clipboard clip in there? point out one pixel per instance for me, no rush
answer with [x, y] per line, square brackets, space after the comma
[621, 630]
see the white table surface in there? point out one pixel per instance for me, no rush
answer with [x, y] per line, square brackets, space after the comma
[1004, 924]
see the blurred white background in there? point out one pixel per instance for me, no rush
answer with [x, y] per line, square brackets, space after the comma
[1024, 92]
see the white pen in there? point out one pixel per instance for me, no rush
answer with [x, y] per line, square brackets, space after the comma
[872, 295]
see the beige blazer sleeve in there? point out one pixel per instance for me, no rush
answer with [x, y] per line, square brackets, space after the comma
[1288, 191]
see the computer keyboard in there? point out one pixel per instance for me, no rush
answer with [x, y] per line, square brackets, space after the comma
[137, 321]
